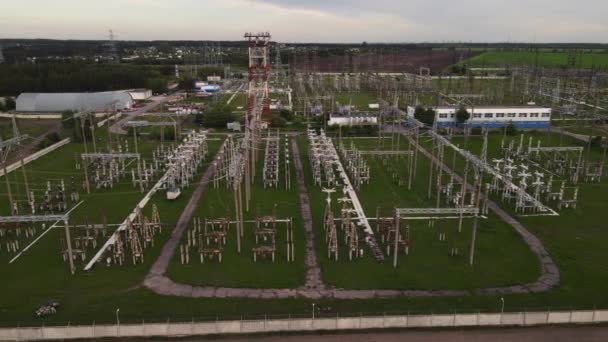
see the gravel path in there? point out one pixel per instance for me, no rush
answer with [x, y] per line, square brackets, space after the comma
[314, 287]
[313, 271]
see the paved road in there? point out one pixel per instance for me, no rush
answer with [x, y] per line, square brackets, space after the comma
[536, 334]
[116, 128]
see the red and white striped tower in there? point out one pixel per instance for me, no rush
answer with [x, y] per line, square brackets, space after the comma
[258, 104]
[259, 71]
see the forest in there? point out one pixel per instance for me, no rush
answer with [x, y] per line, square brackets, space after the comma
[18, 78]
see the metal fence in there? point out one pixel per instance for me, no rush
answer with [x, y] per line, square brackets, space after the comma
[303, 324]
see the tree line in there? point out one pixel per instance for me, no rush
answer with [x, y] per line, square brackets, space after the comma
[19, 78]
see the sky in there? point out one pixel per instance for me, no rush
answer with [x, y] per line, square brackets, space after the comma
[318, 21]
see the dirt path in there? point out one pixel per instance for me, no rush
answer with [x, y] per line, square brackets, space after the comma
[313, 271]
[314, 287]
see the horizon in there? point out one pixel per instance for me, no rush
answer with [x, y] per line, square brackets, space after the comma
[316, 21]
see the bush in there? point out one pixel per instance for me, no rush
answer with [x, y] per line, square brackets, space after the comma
[511, 130]
[286, 114]
[462, 115]
[218, 116]
[596, 141]
[49, 140]
[54, 137]
[476, 131]
[425, 115]
[277, 121]
[9, 103]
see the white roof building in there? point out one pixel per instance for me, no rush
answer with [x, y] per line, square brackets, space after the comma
[355, 119]
[59, 102]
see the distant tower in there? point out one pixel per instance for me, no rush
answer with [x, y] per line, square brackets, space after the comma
[113, 49]
[278, 66]
[220, 56]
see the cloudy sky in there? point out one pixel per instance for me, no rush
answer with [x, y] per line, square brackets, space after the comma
[311, 20]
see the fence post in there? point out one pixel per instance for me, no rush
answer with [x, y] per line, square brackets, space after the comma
[42, 330]
[593, 317]
[168, 324]
[289, 321]
[337, 314]
[570, 319]
[92, 330]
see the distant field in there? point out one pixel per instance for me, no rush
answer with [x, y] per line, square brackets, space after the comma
[545, 59]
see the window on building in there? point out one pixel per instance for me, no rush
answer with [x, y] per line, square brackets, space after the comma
[500, 115]
[533, 115]
[476, 115]
[546, 115]
[443, 116]
[523, 115]
[488, 115]
[452, 115]
[511, 115]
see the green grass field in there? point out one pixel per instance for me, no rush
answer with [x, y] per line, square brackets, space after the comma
[429, 265]
[576, 240]
[543, 59]
[240, 270]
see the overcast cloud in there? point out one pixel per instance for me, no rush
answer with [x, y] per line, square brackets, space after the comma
[311, 20]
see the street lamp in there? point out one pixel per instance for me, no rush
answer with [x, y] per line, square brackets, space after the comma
[117, 319]
[502, 306]
[313, 311]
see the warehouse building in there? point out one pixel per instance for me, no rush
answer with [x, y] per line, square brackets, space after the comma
[493, 116]
[59, 102]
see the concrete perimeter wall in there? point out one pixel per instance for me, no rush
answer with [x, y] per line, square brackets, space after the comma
[14, 166]
[177, 329]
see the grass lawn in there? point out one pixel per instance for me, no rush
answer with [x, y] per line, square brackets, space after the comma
[545, 59]
[502, 258]
[576, 240]
[360, 100]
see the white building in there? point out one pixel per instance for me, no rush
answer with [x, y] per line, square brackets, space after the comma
[59, 102]
[493, 116]
[206, 88]
[140, 94]
[355, 119]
